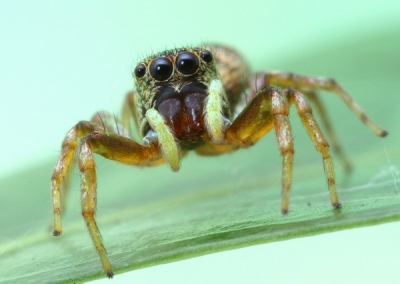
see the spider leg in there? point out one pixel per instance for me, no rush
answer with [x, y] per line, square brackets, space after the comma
[321, 144]
[62, 171]
[337, 148]
[268, 109]
[305, 84]
[105, 135]
[115, 147]
[100, 122]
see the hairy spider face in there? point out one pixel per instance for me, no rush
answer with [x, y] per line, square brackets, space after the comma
[176, 83]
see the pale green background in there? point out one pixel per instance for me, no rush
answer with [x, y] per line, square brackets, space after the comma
[60, 63]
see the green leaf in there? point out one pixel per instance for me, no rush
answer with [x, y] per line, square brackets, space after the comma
[150, 216]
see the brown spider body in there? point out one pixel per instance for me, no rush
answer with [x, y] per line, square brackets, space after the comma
[201, 99]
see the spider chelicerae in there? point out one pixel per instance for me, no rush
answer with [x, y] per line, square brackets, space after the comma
[201, 99]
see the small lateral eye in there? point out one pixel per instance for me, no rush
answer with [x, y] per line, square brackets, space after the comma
[206, 55]
[140, 70]
[187, 63]
[161, 69]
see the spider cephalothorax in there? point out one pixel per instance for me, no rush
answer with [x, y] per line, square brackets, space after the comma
[176, 83]
[201, 99]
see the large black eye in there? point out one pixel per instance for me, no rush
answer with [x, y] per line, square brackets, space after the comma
[206, 56]
[161, 69]
[187, 63]
[140, 70]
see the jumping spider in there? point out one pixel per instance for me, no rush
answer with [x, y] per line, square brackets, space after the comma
[202, 99]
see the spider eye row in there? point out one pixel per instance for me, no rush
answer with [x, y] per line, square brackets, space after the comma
[162, 68]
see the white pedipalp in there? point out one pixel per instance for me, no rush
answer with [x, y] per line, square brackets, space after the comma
[168, 145]
[214, 119]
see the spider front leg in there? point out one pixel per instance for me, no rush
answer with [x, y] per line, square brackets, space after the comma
[103, 135]
[117, 148]
[270, 109]
[101, 122]
[62, 171]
